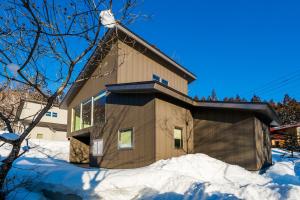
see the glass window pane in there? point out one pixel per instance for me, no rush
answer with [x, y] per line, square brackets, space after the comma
[48, 114]
[76, 118]
[99, 108]
[165, 82]
[54, 114]
[125, 139]
[177, 138]
[155, 77]
[86, 113]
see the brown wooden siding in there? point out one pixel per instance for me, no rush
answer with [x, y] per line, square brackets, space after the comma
[226, 135]
[135, 66]
[105, 73]
[127, 111]
[263, 144]
[169, 116]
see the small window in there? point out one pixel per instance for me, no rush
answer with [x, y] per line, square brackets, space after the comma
[125, 139]
[48, 114]
[98, 147]
[155, 77]
[178, 138]
[39, 136]
[54, 114]
[165, 82]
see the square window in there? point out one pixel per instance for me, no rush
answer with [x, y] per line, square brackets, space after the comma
[155, 77]
[125, 139]
[178, 138]
[54, 114]
[39, 136]
[48, 114]
[165, 82]
[98, 147]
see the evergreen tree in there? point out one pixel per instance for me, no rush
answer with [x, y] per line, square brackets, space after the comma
[255, 98]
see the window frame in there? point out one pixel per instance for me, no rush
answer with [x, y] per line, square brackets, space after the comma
[132, 138]
[48, 114]
[97, 153]
[166, 82]
[39, 134]
[102, 93]
[181, 140]
[54, 113]
[154, 76]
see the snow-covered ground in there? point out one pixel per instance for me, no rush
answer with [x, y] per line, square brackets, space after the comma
[44, 171]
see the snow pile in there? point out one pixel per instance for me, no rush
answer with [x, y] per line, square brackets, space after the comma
[107, 19]
[196, 176]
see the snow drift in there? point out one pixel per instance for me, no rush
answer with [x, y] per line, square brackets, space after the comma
[45, 171]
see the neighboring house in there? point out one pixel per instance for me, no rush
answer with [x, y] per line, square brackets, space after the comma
[53, 126]
[280, 134]
[129, 108]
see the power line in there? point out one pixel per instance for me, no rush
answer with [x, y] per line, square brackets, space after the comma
[282, 79]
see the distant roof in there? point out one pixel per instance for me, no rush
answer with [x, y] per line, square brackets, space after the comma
[156, 87]
[285, 127]
[88, 69]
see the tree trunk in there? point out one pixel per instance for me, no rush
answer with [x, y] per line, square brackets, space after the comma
[6, 166]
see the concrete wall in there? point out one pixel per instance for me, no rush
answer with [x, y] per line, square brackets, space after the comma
[31, 108]
[48, 134]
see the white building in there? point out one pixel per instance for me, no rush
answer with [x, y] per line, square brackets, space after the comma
[53, 126]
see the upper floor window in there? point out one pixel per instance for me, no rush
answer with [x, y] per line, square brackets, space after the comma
[89, 112]
[54, 114]
[48, 114]
[155, 78]
[165, 82]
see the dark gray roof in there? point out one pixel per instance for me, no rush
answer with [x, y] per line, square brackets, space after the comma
[156, 87]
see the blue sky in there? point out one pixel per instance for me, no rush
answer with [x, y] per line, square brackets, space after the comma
[236, 47]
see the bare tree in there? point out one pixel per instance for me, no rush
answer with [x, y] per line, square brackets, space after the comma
[43, 45]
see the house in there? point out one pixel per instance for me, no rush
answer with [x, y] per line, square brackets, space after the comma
[53, 126]
[129, 108]
[280, 134]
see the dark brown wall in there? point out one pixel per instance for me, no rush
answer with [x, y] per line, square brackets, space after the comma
[105, 73]
[227, 135]
[168, 116]
[127, 111]
[263, 144]
[135, 66]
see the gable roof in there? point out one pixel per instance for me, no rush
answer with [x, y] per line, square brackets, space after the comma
[89, 67]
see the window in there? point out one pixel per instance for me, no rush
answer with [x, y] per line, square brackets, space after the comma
[54, 114]
[90, 112]
[125, 139]
[98, 147]
[155, 77]
[87, 113]
[76, 118]
[99, 108]
[48, 114]
[178, 138]
[165, 82]
[39, 136]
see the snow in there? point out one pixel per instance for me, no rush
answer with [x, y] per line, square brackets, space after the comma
[10, 136]
[107, 19]
[44, 170]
